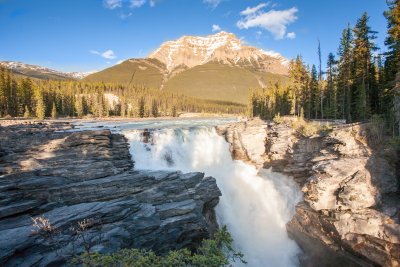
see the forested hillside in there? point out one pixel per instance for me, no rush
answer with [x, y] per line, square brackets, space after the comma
[357, 83]
[38, 98]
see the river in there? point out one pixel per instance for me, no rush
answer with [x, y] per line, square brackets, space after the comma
[255, 204]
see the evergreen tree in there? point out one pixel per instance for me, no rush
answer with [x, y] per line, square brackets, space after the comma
[345, 72]
[154, 108]
[315, 98]
[141, 107]
[40, 105]
[54, 111]
[174, 113]
[392, 64]
[363, 78]
[79, 106]
[299, 79]
[331, 97]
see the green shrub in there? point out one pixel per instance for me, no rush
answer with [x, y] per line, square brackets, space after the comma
[376, 129]
[305, 128]
[212, 253]
[278, 119]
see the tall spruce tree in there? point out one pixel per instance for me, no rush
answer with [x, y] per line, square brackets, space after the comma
[54, 111]
[331, 94]
[345, 71]
[392, 64]
[40, 105]
[141, 107]
[154, 108]
[363, 67]
[315, 97]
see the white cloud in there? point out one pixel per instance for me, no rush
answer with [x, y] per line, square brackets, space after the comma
[252, 10]
[212, 3]
[291, 35]
[216, 28]
[137, 3]
[274, 21]
[112, 4]
[108, 54]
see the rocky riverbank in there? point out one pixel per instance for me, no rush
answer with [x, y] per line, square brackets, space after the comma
[351, 208]
[63, 193]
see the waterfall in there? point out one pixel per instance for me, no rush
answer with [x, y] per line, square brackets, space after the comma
[254, 205]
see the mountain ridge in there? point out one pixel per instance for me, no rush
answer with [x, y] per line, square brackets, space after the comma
[214, 67]
[40, 72]
[224, 47]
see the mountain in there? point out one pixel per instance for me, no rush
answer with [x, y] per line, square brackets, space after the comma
[142, 72]
[226, 48]
[214, 67]
[39, 72]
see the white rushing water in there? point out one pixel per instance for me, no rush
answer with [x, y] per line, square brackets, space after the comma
[255, 206]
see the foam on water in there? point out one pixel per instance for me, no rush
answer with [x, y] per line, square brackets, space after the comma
[254, 205]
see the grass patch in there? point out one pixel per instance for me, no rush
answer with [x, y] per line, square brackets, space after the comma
[303, 128]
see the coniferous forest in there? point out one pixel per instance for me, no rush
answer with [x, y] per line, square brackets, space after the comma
[357, 84]
[46, 98]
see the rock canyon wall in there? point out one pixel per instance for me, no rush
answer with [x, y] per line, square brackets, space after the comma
[350, 213]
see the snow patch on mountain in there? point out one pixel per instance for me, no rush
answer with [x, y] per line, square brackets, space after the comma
[24, 68]
[223, 47]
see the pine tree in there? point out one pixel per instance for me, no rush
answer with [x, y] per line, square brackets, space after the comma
[54, 111]
[79, 106]
[315, 98]
[363, 48]
[141, 107]
[392, 64]
[174, 113]
[299, 79]
[331, 102]
[345, 78]
[40, 105]
[154, 108]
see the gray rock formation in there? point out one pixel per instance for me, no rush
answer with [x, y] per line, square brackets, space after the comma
[247, 139]
[351, 209]
[86, 195]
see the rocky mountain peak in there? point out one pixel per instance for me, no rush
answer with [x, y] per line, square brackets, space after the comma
[191, 51]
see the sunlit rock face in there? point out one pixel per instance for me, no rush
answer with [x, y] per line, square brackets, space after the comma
[191, 51]
[247, 139]
[87, 177]
[350, 213]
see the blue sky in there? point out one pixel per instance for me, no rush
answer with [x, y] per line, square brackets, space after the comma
[86, 35]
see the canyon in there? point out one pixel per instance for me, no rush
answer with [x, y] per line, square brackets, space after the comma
[53, 182]
[152, 187]
[350, 213]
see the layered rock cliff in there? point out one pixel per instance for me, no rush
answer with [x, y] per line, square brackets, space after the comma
[64, 193]
[350, 213]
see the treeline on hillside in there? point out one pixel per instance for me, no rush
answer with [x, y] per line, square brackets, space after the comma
[40, 98]
[356, 84]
